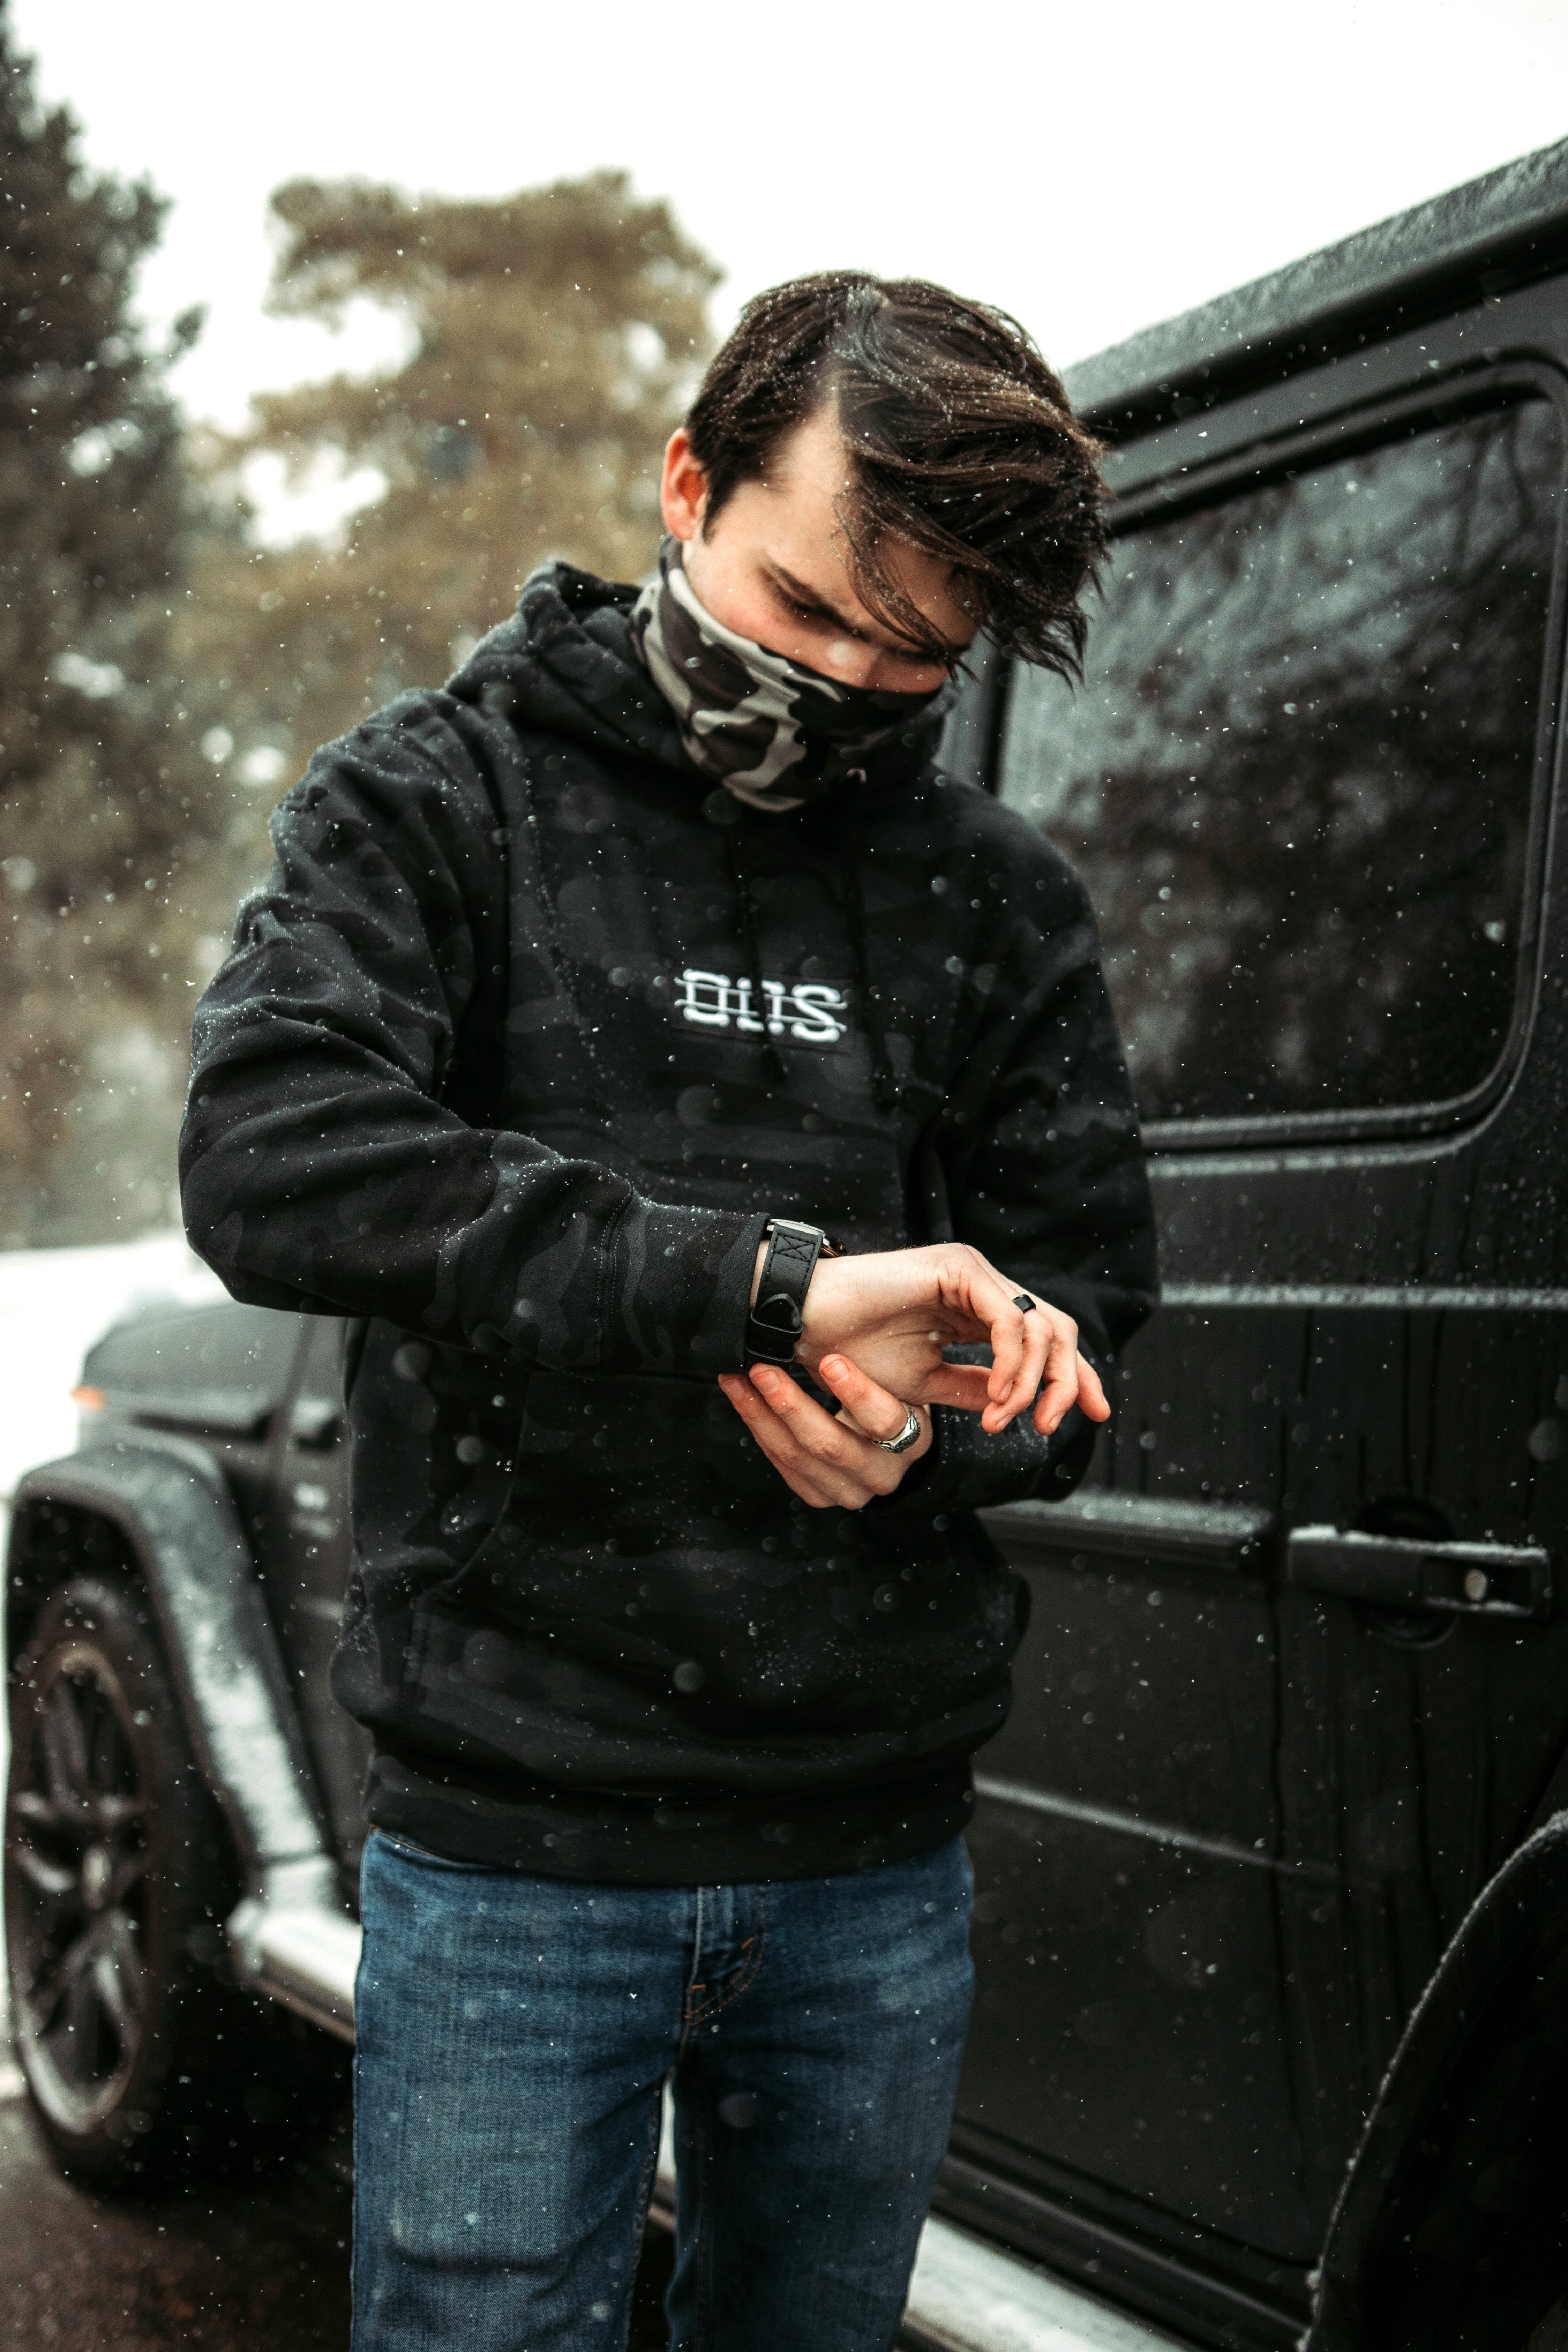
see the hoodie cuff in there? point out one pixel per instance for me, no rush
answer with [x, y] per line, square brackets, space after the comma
[967, 1470]
[685, 1284]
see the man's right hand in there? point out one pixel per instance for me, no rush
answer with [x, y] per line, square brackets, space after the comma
[892, 1312]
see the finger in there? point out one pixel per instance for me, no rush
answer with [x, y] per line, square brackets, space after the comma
[967, 1386]
[1008, 1335]
[821, 1483]
[1061, 1383]
[835, 1448]
[1018, 1343]
[1091, 1397]
[876, 1412]
[814, 1482]
[1042, 1328]
[822, 1436]
[772, 1437]
[1078, 1383]
[873, 1412]
[1012, 1392]
[773, 1440]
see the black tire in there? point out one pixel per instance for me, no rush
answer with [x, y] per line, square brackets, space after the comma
[118, 1876]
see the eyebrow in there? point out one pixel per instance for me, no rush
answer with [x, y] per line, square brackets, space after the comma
[816, 603]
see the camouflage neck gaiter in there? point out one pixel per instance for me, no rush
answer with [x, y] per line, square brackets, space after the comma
[775, 734]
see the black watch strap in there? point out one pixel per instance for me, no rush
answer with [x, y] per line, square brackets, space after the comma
[774, 1324]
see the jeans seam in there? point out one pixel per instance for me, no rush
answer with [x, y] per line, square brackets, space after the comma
[703, 2011]
[687, 2013]
[645, 2199]
[703, 2298]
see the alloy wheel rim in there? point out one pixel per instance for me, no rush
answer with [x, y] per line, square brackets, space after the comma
[76, 1896]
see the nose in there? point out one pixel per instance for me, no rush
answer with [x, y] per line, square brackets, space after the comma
[855, 663]
[871, 665]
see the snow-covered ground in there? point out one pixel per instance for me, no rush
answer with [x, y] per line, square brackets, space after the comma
[53, 1303]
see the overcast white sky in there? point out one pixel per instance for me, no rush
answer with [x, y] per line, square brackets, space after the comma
[1093, 168]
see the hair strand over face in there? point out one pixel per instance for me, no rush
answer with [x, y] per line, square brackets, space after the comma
[962, 443]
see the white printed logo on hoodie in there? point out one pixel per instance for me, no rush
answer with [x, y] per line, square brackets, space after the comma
[811, 1011]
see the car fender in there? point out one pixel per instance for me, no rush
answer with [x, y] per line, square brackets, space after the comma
[1449, 2227]
[170, 1505]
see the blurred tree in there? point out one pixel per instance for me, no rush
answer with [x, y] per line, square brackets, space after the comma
[102, 804]
[552, 336]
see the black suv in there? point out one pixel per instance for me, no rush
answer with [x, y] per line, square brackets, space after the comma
[1273, 1877]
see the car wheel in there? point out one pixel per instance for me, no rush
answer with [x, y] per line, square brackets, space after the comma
[112, 1844]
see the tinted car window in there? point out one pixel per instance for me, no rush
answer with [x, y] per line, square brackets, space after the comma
[1296, 778]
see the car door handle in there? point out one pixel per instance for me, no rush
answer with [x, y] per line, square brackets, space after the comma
[1475, 1580]
[1104, 1524]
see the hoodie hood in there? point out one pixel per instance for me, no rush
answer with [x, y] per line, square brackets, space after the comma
[567, 662]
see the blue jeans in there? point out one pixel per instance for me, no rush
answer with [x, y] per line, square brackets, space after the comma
[514, 2034]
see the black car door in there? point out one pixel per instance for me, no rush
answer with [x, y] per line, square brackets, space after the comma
[1293, 1683]
[307, 1572]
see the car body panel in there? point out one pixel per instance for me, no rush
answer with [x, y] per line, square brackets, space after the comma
[172, 1505]
[1234, 1821]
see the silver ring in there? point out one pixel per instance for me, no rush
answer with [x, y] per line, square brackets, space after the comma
[1023, 1303]
[906, 1436]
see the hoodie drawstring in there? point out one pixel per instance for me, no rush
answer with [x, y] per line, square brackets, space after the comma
[884, 1084]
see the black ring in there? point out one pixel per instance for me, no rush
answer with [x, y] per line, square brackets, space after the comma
[1023, 1303]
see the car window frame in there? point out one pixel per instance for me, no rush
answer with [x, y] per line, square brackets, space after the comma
[1168, 474]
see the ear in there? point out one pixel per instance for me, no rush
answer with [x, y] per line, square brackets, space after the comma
[683, 491]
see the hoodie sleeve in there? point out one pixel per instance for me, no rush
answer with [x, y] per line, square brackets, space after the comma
[1042, 1167]
[322, 1165]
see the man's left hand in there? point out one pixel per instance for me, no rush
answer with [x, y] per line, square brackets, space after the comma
[830, 1461]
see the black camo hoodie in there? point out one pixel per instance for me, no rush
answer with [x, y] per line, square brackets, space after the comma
[527, 1035]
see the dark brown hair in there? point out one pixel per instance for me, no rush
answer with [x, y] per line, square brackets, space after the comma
[962, 438]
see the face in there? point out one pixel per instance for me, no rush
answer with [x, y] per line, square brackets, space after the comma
[773, 567]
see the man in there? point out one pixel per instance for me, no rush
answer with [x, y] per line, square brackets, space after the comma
[645, 1006]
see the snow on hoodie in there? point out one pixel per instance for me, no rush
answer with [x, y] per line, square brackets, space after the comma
[530, 1032]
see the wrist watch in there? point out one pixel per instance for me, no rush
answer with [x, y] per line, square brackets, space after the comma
[774, 1324]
